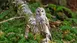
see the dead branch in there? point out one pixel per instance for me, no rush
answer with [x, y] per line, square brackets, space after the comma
[11, 19]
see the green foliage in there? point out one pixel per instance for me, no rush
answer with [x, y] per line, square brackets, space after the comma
[34, 6]
[59, 8]
[74, 42]
[70, 34]
[49, 16]
[69, 37]
[60, 12]
[68, 23]
[59, 41]
[22, 40]
[57, 35]
[52, 6]
[4, 14]
[66, 27]
[74, 20]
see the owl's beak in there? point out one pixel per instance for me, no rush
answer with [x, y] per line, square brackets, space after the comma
[40, 13]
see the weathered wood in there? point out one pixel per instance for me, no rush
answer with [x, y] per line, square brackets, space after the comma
[23, 9]
[11, 19]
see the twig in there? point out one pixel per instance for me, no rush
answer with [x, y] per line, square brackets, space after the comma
[11, 19]
[45, 6]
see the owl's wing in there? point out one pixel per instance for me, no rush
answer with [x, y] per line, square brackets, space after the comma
[47, 22]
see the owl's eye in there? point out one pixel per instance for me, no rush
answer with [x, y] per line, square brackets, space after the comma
[38, 11]
[42, 11]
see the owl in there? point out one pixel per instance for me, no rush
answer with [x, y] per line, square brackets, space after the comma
[41, 16]
[42, 22]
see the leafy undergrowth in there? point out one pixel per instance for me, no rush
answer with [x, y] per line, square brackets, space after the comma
[13, 31]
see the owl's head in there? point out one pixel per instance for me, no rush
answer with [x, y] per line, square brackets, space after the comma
[40, 11]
